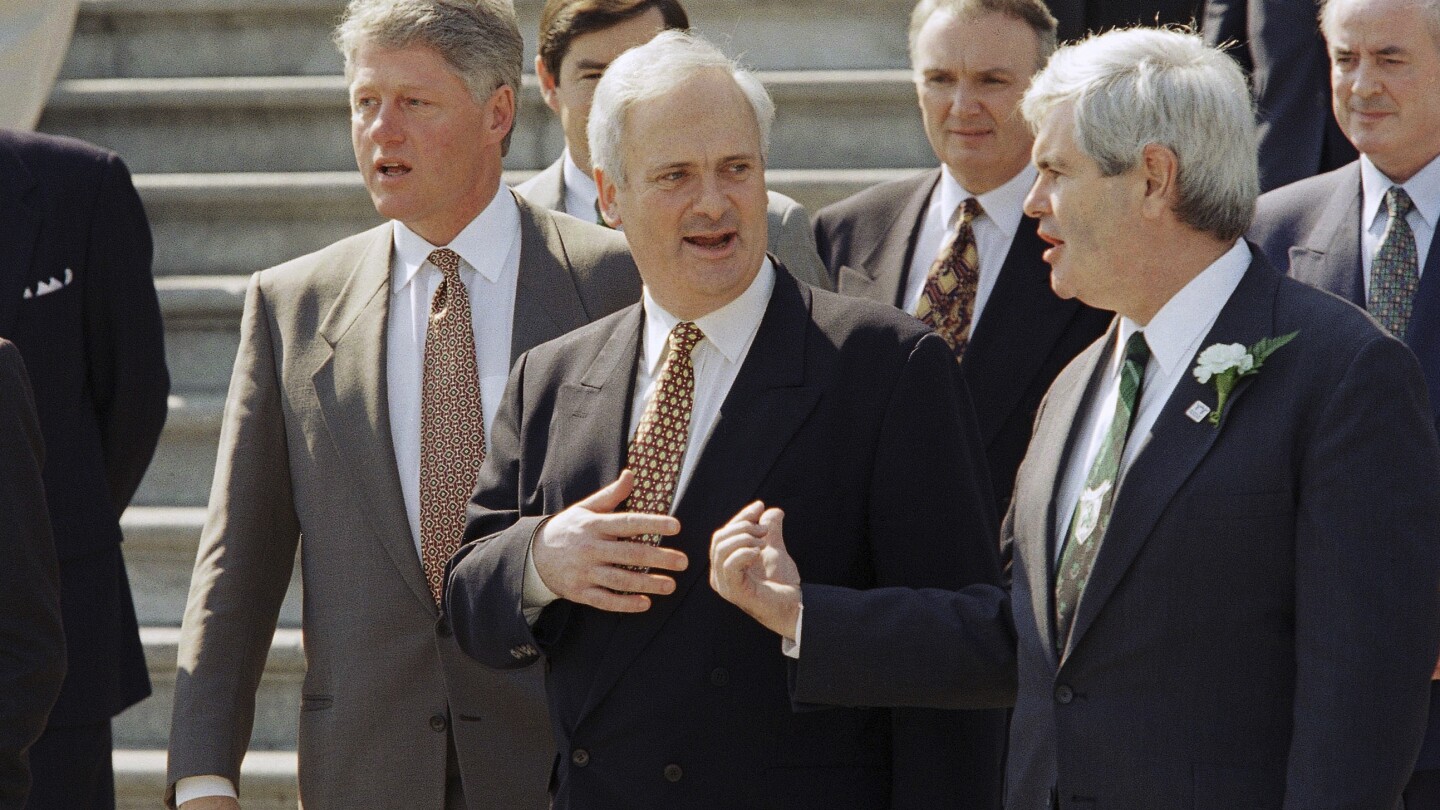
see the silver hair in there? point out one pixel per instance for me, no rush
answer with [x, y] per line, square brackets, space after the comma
[1033, 13]
[1429, 8]
[479, 39]
[651, 70]
[1139, 86]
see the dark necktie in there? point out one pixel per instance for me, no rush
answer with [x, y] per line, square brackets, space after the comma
[1092, 512]
[452, 428]
[947, 303]
[1395, 273]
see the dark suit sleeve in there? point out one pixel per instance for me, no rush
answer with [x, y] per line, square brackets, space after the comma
[1367, 550]
[124, 337]
[32, 643]
[486, 577]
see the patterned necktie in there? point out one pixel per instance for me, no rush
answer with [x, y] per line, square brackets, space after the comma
[658, 448]
[1395, 273]
[1092, 513]
[452, 428]
[947, 304]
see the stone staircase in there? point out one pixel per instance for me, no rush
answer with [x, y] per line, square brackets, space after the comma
[232, 115]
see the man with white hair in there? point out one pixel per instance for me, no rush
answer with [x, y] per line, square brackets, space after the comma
[1226, 533]
[729, 381]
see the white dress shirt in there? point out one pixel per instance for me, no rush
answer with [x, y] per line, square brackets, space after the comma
[994, 231]
[1424, 191]
[489, 249]
[1174, 337]
[581, 193]
[728, 331]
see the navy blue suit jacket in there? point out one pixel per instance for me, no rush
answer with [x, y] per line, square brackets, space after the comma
[78, 300]
[851, 417]
[1313, 228]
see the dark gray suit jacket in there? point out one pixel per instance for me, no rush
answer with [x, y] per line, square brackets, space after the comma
[32, 642]
[1026, 335]
[1262, 619]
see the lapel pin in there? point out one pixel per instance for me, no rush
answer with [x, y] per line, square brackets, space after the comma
[1197, 411]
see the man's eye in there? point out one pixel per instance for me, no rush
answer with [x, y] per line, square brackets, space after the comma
[592, 75]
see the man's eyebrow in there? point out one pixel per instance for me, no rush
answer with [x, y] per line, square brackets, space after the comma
[591, 64]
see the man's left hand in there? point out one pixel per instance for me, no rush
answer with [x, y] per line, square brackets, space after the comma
[750, 567]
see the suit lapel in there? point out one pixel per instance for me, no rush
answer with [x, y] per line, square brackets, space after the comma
[22, 231]
[767, 403]
[1176, 444]
[1024, 322]
[597, 409]
[880, 275]
[1035, 507]
[547, 302]
[350, 386]
[1329, 257]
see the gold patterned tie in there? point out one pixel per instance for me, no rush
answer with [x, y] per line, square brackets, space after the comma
[947, 303]
[658, 449]
[452, 428]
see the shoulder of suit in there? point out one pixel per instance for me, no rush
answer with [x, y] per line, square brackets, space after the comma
[883, 197]
[1321, 315]
[850, 317]
[333, 262]
[577, 347]
[1303, 198]
[587, 246]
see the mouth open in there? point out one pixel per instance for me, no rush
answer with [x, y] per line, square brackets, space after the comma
[1055, 244]
[392, 168]
[713, 243]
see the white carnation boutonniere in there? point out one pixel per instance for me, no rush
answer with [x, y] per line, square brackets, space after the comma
[1228, 363]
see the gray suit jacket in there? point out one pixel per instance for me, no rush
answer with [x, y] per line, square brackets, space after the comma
[791, 240]
[306, 450]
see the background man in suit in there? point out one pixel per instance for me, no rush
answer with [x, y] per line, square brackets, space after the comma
[32, 657]
[366, 375]
[78, 300]
[972, 60]
[1080, 17]
[1366, 232]
[1215, 604]
[578, 40]
[851, 413]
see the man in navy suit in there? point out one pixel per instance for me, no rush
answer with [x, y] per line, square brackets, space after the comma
[32, 654]
[77, 298]
[1226, 534]
[1336, 231]
[972, 61]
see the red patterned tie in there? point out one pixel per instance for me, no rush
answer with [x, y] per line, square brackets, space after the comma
[658, 449]
[452, 428]
[947, 303]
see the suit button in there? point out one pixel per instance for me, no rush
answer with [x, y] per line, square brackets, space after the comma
[580, 757]
[437, 722]
[1064, 694]
[719, 676]
[673, 773]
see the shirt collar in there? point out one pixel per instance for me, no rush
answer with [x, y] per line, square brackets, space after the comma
[1181, 324]
[484, 244]
[1423, 188]
[729, 328]
[1004, 204]
[577, 181]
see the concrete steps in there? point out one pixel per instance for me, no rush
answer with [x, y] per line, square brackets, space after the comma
[300, 123]
[129, 38]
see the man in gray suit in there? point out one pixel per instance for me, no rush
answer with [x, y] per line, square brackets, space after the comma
[366, 376]
[578, 40]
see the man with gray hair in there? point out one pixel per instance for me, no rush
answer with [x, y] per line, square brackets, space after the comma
[1227, 530]
[367, 380]
[729, 382]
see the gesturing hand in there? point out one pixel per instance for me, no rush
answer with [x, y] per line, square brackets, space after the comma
[579, 552]
[750, 567]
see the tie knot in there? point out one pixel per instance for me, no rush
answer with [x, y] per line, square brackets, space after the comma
[1397, 202]
[966, 212]
[1137, 351]
[445, 260]
[684, 337]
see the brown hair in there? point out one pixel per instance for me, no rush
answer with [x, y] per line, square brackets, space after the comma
[561, 21]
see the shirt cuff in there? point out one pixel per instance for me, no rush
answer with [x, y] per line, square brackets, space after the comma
[534, 593]
[199, 787]
[791, 647]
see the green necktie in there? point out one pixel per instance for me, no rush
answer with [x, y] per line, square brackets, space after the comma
[1092, 512]
[1395, 273]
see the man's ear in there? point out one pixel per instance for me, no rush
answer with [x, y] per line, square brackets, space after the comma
[1161, 169]
[608, 209]
[499, 114]
[549, 85]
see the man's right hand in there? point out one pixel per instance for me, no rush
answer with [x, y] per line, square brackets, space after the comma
[580, 552]
[211, 803]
